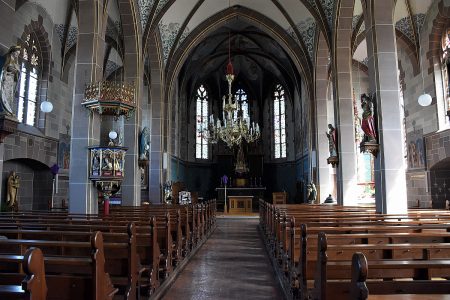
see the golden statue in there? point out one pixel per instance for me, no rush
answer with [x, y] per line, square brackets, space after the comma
[12, 189]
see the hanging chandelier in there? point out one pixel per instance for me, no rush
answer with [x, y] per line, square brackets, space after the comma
[235, 128]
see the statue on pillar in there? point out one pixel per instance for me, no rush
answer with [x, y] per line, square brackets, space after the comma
[369, 143]
[9, 81]
[331, 135]
[144, 144]
[12, 188]
[332, 145]
[368, 121]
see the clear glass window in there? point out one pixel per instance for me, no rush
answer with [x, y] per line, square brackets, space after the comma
[29, 82]
[242, 99]
[201, 142]
[279, 122]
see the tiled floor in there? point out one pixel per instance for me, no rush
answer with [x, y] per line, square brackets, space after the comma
[232, 264]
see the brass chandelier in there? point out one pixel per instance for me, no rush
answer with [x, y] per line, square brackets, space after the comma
[235, 127]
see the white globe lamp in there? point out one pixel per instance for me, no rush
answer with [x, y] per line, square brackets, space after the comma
[46, 106]
[112, 135]
[425, 100]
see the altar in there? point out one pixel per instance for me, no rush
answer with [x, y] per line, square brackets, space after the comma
[240, 204]
[255, 193]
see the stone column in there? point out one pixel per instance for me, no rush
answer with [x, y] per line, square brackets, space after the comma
[85, 126]
[324, 184]
[390, 182]
[131, 186]
[346, 173]
[156, 124]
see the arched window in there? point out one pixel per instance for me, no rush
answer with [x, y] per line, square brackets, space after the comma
[241, 98]
[31, 63]
[279, 122]
[201, 141]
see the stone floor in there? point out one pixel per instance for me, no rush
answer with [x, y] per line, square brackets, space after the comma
[232, 264]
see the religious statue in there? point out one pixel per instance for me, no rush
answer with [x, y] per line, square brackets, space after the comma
[332, 145]
[118, 162]
[167, 189]
[144, 144]
[311, 192]
[241, 165]
[12, 189]
[107, 163]
[368, 121]
[96, 164]
[9, 80]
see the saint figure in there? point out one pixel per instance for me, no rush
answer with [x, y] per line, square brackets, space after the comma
[368, 122]
[331, 135]
[311, 192]
[9, 80]
[11, 191]
[144, 144]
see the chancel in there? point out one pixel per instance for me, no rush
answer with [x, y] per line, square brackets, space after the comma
[193, 149]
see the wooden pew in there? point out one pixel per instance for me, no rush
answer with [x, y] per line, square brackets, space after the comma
[122, 259]
[33, 286]
[355, 225]
[159, 247]
[360, 289]
[79, 276]
[153, 261]
[332, 276]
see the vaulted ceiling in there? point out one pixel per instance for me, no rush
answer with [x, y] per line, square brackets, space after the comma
[176, 19]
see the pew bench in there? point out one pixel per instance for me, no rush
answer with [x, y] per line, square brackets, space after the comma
[16, 286]
[362, 288]
[80, 277]
[331, 276]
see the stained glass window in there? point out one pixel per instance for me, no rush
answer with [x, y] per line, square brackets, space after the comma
[29, 81]
[201, 142]
[241, 98]
[279, 122]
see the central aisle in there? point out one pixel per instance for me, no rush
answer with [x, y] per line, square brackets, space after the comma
[232, 264]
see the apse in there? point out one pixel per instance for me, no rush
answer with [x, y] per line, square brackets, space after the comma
[262, 68]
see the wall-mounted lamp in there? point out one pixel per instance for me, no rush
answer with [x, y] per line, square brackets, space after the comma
[46, 106]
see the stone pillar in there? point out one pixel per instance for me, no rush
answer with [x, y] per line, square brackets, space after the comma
[85, 126]
[133, 61]
[346, 173]
[156, 124]
[324, 184]
[390, 180]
